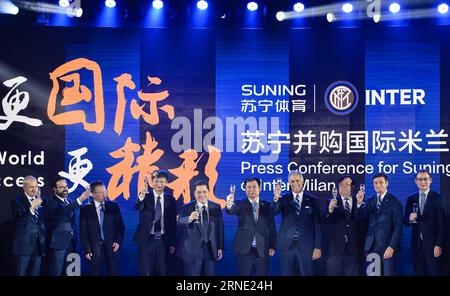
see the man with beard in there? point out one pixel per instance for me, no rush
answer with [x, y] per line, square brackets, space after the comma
[61, 224]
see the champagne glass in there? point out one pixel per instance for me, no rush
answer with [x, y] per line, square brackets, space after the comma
[232, 189]
[146, 185]
[198, 211]
[362, 187]
[334, 192]
[415, 209]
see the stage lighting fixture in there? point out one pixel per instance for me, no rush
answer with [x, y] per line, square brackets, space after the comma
[64, 3]
[299, 7]
[443, 8]
[394, 7]
[330, 17]
[252, 6]
[347, 7]
[202, 5]
[157, 4]
[110, 3]
[280, 16]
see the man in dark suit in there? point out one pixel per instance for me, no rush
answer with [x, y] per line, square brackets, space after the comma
[425, 213]
[28, 243]
[345, 236]
[384, 213]
[256, 233]
[201, 243]
[61, 224]
[299, 238]
[156, 231]
[101, 231]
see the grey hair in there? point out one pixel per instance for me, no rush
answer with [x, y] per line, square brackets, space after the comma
[28, 179]
[292, 173]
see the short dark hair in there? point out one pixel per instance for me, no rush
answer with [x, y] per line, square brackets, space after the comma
[383, 175]
[160, 174]
[96, 184]
[201, 183]
[251, 179]
[341, 179]
[55, 180]
[423, 172]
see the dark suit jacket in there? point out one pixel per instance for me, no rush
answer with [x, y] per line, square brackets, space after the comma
[26, 234]
[344, 232]
[191, 238]
[61, 223]
[431, 223]
[385, 228]
[264, 230]
[90, 233]
[308, 223]
[146, 213]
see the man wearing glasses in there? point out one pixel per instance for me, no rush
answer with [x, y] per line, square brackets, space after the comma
[61, 224]
[101, 231]
[425, 213]
[156, 231]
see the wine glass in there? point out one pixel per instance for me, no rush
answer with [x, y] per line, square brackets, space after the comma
[196, 221]
[334, 192]
[362, 187]
[146, 185]
[415, 209]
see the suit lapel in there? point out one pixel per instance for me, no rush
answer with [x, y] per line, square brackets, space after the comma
[428, 201]
[250, 210]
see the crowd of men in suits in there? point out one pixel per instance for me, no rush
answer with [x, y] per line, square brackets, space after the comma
[358, 227]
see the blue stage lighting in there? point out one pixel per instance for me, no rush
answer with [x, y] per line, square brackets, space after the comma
[252, 6]
[347, 7]
[202, 5]
[394, 7]
[299, 7]
[64, 3]
[443, 8]
[110, 3]
[157, 4]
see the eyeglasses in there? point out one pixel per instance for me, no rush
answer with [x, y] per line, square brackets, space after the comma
[423, 179]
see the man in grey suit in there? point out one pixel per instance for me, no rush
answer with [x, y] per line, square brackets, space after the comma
[256, 234]
[201, 243]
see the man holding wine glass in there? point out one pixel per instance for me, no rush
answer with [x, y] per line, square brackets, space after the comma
[345, 236]
[299, 239]
[201, 243]
[384, 214]
[255, 238]
[425, 213]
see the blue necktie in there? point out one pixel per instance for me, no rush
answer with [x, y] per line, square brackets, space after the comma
[348, 211]
[102, 217]
[378, 203]
[36, 214]
[66, 202]
[422, 202]
[297, 205]
[255, 210]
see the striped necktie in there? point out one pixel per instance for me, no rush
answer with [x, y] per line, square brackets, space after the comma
[297, 205]
[348, 211]
[378, 203]
[36, 214]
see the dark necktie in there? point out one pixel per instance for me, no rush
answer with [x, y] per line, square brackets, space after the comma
[158, 214]
[102, 217]
[36, 214]
[378, 203]
[348, 211]
[297, 205]
[205, 225]
[66, 201]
